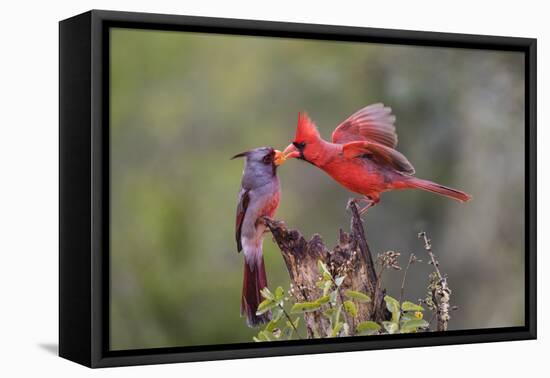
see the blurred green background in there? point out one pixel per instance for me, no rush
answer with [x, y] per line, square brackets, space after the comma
[183, 103]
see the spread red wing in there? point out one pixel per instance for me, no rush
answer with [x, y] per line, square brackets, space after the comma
[374, 122]
[244, 199]
[382, 154]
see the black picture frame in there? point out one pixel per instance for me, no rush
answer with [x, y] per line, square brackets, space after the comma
[84, 187]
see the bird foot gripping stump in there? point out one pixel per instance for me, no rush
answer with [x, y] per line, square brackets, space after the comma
[351, 258]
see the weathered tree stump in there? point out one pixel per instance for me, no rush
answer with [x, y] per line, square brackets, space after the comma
[351, 258]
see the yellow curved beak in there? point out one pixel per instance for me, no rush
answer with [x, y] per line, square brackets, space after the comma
[289, 153]
[280, 158]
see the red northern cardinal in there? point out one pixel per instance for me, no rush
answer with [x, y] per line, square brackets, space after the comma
[258, 197]
[362, 155]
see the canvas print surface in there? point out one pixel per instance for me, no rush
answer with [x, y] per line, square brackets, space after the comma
[417, 152]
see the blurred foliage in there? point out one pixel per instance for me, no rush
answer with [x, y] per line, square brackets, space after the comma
[183, 103]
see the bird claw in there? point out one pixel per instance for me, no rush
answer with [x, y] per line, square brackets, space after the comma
[367, 206]
[364, 209]
[264, 221]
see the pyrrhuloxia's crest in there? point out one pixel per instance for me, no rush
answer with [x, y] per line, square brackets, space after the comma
[262, 154]
[239, 155]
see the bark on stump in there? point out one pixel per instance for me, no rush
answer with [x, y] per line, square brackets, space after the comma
[350, 257]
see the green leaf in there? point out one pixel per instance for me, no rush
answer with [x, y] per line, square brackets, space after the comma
[265, 306]
[391, 327]
[316, 334]
[276, 314]
[271, 326]
[323, 300]
[350, 308]
[279, 293]
[323, 268]
[287, 332]
[368, 328]
[305, 307]
[336, 329]
[329, 312]
[289, 329]
[345, 330]
[357, 295]
[339, 280]
[410, 306]
[264, 336]
[336, 316]
[393, 306]
[267, 294]
[326, 287]
[332, 296]
[413, 325]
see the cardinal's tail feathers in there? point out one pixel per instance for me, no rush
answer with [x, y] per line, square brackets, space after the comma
[254, 280]
[439, 189]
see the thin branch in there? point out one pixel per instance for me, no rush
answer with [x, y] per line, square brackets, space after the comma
[402, 293]
[290, 321]
[376, 291]
[343, 307]
[428, 248]
[441, 293]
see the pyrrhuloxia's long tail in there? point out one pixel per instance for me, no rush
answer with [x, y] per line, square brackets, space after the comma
[438, 189]
[254, 280]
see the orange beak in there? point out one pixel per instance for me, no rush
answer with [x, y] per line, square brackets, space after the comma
[289, 153]
[279, 158]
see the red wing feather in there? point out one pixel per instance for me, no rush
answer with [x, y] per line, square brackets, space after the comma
[382, 154]
[374, 123]
[244, 199]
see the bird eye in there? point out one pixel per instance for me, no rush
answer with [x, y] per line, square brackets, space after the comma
[299, 145]
[268, 159]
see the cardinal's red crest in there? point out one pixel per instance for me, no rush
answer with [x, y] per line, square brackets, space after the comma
[306, 129]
